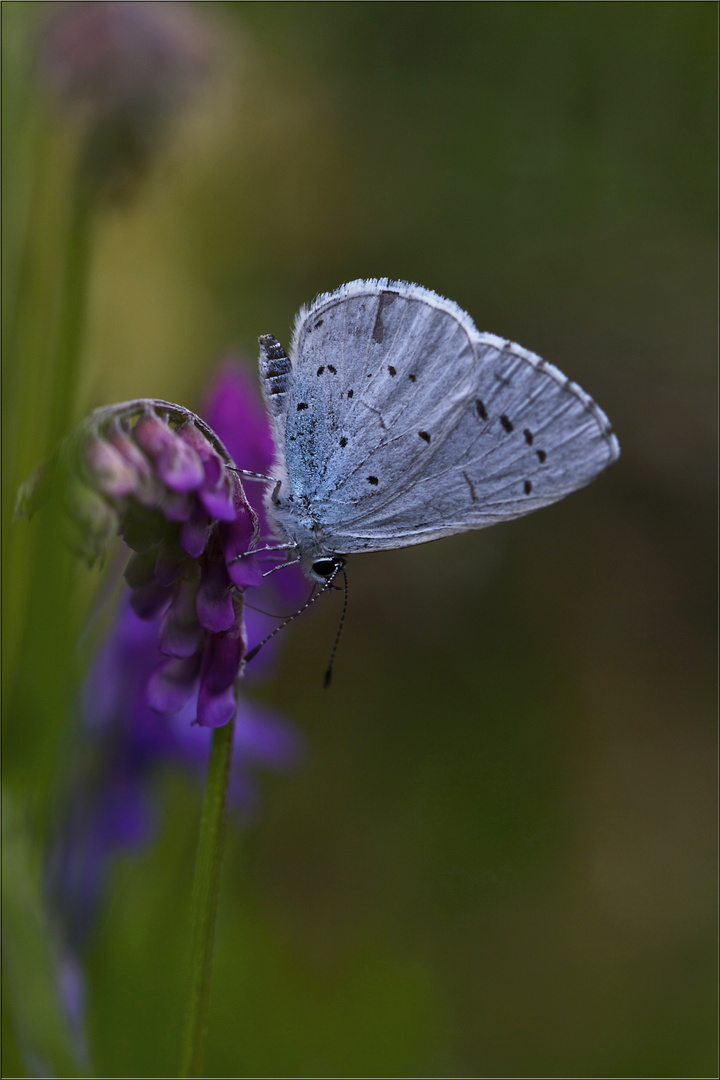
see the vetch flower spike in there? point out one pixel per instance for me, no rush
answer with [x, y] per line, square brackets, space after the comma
[158, 476]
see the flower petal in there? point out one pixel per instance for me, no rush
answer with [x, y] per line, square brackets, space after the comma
[149, 600]
[172, 684]
[194, 533]
[222, 657]
[237, 537]
[214, 597]
[177, 463]
[215, 710]
[108, 468]
[170, 561]
[180, 632]
[148, 489]
[218, 498]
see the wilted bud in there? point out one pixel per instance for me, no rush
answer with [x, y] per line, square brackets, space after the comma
[127, 66]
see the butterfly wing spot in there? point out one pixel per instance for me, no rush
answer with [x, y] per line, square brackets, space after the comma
[392, 370]
[470, 484]
[506, 423]
[350, 393]
[481, 410]
[541, 455]
[528, 436]
[318, 324]
[320, 370]
[412, 378]
[424, 435]
[332, 370]
[343, 441]
[302, 405]
[373, 480]
[378, 331]
[527, 487]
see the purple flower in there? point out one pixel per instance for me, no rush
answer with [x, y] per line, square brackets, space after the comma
[161, 478]
[168, 669]
[111, 807]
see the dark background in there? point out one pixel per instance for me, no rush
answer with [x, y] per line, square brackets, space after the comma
[499, 856]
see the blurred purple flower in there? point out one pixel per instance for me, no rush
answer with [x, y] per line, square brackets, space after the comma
[111, 808]
[113, 52]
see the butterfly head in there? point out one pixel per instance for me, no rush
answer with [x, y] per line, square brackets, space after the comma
[323, 570]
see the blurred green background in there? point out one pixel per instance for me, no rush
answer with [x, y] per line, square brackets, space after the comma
[499, 856]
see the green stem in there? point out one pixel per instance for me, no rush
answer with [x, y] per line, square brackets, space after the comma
[206, 890]
[42, 603]
[72, 316]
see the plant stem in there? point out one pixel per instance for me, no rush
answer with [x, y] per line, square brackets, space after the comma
[206, 891]
[41, 596]
[72, 317]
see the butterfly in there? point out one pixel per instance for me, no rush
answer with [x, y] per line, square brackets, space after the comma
[397, 422]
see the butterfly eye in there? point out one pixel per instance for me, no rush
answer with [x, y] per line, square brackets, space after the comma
[325, 568]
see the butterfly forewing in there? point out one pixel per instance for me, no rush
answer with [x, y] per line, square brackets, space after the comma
[367, 368]
[404, 423]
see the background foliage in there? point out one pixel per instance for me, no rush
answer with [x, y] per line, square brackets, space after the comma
[498, 858]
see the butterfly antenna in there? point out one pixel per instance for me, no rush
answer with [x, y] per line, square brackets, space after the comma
[329, 669]
[247, 474]
[256, 648]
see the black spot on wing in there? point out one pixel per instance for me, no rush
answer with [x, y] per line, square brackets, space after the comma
[343, 441]
[372, 480]
[386, 299]
[424, 435]
[350, 393]
[318, 324]
[506, 423]
[541, 455]
[412, 378]
[320, 370]
[481, 410]
[302, 405]
[332, 369]
[528, 436]
[392, 370]
[527, 487]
